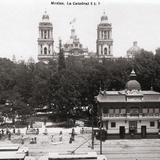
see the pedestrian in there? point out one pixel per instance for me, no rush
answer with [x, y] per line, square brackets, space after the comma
[45, 131]
[35, 139]
[7, 131]
[73, 134]
[60, 136]
[37, 131]
[14, 130]
[82, 131]
[18, 132]
[22, 139]
[2, 132]
[70, 140]
[32, 141]
[52, 138]
[9, 135]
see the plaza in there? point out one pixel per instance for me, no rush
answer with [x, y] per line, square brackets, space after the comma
[135, 149]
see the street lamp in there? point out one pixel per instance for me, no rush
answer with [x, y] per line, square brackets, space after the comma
[100, 131]
[100, 127]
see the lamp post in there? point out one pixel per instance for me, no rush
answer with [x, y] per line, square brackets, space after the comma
[101, 132]
[92, 127]
[100, 127]
[91, 113]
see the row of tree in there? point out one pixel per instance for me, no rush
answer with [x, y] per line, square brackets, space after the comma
[68, 84]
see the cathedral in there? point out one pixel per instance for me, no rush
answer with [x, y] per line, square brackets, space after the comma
[73, 47]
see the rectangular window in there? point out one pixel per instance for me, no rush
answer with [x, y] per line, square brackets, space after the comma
[156, 110]
[152, 124]
[150, 110]
[113, 124]
[105, 110]
[116, 111]
[144, 110]
[123, 111]
[111, 111]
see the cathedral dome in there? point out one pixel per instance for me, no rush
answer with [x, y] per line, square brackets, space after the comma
[104, 18]
[133, 84]
[131, 52]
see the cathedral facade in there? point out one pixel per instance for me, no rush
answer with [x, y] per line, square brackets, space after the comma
[73, 47]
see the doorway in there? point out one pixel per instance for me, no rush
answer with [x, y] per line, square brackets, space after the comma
[143, 131]
[132, 127]
[122, 131]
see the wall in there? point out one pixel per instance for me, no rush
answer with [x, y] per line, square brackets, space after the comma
[115, 130]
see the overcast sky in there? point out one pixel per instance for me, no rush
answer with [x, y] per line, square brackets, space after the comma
[135, 20]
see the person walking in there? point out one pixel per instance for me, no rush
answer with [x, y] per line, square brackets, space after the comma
[60, 136]
[22, 139]
[73, 134]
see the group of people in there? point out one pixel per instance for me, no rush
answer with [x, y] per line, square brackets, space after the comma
[7, 132]
[60, 137]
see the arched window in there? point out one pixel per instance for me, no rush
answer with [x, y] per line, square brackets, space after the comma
[105, 51]
[45, 50]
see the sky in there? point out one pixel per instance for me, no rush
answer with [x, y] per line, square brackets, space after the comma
[132, 20]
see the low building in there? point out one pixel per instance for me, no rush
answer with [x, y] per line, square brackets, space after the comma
[131, 112]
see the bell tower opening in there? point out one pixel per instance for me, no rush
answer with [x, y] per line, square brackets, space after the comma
[105, 51]
[45, 50]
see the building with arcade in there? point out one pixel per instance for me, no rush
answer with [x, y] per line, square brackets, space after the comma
[131, 112]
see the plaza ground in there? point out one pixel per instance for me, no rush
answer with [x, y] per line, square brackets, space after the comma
[134, 149]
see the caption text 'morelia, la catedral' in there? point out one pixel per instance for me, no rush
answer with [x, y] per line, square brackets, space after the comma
[75, 3]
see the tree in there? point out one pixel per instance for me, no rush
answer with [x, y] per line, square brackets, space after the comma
[157, 70]
[145, 69]
[61, 59]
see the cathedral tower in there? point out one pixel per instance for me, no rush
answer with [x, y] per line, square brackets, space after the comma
[104, 38]
[45, 40]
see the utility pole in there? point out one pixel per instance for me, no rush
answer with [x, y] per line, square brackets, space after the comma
[100, 130]
[92, 128]
[92, 118]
